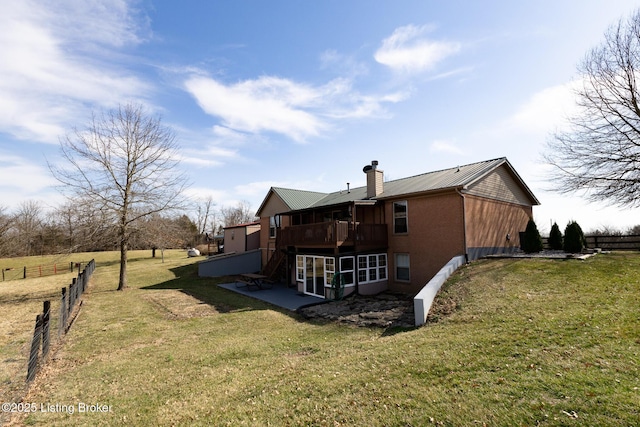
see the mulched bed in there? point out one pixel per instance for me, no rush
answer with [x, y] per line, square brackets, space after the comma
[383, 310]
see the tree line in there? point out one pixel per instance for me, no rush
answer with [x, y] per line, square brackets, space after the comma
[79, 226]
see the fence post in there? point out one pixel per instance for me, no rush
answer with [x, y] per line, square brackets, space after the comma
[35, 348]
[63, 312]
[24, 275]
[80, 283]
[72, 300]
[46, 317]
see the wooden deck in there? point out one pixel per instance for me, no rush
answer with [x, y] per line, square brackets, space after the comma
[334, 234]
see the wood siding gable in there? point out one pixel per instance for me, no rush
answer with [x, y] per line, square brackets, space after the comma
[500, 185]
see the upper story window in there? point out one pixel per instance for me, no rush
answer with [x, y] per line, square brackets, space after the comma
[272, 226]
[400, 219]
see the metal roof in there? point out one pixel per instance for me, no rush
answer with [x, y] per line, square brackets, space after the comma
[298, 199]
[456, 177]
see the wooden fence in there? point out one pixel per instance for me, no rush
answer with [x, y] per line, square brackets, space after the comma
[629, 242]
[614, 243]
[13, 273]
[70, 299]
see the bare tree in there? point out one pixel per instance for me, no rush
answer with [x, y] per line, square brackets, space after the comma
[239, 214]
[205, 215]
[84, 228]
[600, 153]
[161, 233]
[27, 224]
[125, 163]
[6, 222]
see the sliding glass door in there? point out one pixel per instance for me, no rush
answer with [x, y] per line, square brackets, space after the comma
[314, 276]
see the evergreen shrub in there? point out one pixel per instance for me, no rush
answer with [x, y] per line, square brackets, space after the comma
[531, 240]
[555, 238]
[574, 241]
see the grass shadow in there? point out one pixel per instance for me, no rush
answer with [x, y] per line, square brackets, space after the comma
[110, 263]
[206, 290]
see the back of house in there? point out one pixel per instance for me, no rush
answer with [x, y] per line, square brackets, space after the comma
[392, 235]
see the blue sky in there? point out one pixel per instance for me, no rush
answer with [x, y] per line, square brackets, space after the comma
[302, 94]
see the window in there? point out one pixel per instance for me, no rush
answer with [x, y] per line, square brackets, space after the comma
[272, 226]
[300, 268]
[372, 268]
[382, 266]
[346, 269]
[329, 270]
[402, 267]
[400, 217]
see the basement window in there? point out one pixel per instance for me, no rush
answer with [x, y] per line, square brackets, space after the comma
[402, 268]
[347, 268]
[372, 268]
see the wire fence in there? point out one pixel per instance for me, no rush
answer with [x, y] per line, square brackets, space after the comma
[70, 302]
[15, 273]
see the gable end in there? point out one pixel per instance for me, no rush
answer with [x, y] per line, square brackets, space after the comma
[500, 185]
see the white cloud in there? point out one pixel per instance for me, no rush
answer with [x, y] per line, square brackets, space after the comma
[23, 176]
[258, 189]
[208, 155]
[407, 50]
[344, 64]
[202, 193]
[212, 148]
[448, 147]
[56, 58]
[546, 109]
[266, 104]
[273, 104]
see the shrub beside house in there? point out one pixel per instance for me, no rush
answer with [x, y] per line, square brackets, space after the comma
[531, 240]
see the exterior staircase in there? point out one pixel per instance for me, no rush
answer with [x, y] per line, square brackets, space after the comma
[273, 269]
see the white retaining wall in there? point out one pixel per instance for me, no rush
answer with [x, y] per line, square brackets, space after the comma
[422, 302]
[230, 264]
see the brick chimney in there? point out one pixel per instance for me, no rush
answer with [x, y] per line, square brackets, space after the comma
[374, 179]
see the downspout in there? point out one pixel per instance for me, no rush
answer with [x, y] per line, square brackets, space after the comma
[464, 224]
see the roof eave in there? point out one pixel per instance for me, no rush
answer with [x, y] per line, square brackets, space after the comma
[264, 201]
[424, 192]
[366, 202]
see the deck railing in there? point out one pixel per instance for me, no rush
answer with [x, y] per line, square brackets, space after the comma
[333, 234]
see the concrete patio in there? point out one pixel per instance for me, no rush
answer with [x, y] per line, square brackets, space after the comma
[279, 295]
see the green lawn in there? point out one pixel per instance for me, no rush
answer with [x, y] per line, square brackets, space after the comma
[534, 342]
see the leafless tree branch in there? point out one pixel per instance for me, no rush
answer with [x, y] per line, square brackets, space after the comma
[599, 155]
[125, 162]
